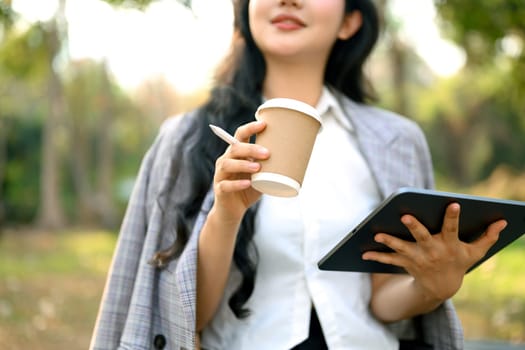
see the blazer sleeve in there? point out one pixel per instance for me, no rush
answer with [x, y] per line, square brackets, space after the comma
[122, 274]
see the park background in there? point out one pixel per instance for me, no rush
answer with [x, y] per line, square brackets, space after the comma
[85, 85]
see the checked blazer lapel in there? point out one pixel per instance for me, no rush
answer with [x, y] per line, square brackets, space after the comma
[393, 160]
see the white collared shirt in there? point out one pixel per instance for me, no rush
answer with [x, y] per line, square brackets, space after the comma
[291, 235]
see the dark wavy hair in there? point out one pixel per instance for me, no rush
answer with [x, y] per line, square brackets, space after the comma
[232, 103]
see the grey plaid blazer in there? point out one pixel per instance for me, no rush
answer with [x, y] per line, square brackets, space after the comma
[144, 307]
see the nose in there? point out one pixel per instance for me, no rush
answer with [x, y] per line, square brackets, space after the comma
[293, 3]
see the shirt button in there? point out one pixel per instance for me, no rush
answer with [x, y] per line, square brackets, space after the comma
[159, 342]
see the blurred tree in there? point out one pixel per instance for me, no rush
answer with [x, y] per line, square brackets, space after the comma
[470, 128]
[95, 106]
[491, 32]
[90, 108]
[77, 115]
[16, 54]
[483, 110]
[6, 20]
[159, 99]
[51, 213]
[395, 68]
[481, 27]
[6, 14]
[397, 58]
[23, 164]
[34, 54]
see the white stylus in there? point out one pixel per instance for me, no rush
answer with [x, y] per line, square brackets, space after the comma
[223, 134]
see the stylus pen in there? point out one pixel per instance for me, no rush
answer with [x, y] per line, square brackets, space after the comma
[223, 134]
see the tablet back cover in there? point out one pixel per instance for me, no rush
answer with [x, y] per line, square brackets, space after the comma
[428, 206]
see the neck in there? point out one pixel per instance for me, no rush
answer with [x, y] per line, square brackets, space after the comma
[303, 82]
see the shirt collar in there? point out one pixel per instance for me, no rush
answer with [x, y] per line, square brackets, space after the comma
[328, 104]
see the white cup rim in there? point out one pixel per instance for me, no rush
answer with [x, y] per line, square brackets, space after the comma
[275, 184]
[292, 104]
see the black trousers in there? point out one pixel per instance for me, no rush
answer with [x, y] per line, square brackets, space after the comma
[315, 340]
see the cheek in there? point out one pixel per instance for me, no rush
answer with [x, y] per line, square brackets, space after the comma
[256, 15]
[330, 13]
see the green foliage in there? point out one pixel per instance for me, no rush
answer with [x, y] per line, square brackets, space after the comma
[7, 15]
[90, 94]
[475, 120]
[23, 164]
[479, 25]
[24, 55]
[500, 280]
[470, 124]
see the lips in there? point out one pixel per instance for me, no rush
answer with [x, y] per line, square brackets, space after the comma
[288, 22]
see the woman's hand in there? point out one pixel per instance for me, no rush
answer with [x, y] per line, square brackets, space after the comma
[233, 196]
[231, 182]
[437, 262]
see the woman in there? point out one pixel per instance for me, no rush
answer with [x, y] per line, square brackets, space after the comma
[201, 252]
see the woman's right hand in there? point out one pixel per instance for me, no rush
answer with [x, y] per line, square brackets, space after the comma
[233, 170]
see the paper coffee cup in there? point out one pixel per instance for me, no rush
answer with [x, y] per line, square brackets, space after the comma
[291, 129]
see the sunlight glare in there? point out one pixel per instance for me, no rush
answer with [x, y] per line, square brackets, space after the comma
[33, 11]
[419, 28]
[184, 46]
[166, 40]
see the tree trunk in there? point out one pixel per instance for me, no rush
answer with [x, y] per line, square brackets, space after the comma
[84, 206]
[397, 58]
[51, 213]
[399, 74]
[3, 167]
[107, 212]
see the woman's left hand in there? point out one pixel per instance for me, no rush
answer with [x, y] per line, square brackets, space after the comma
[437, 262]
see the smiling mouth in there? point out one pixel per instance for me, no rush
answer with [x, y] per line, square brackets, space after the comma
[287, 22]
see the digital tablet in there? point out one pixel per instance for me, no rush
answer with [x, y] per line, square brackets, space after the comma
[428, 206]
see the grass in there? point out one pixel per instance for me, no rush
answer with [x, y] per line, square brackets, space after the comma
[491, 302]
[50, 287]
[51, 284]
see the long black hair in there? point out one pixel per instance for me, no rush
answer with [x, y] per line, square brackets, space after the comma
[232, 103]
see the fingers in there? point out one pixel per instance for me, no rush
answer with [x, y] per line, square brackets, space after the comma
[248, 151]
[232, 174]
[228, 186]
[450, 227]
[403, 251]
[394, 243]
[489, 237]
[229, 165]
[244, 132]
[240, 158]
[233, 168]
[417, 229]
[387, 258]
[244, 149]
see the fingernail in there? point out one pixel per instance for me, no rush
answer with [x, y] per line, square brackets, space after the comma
[263, 151]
